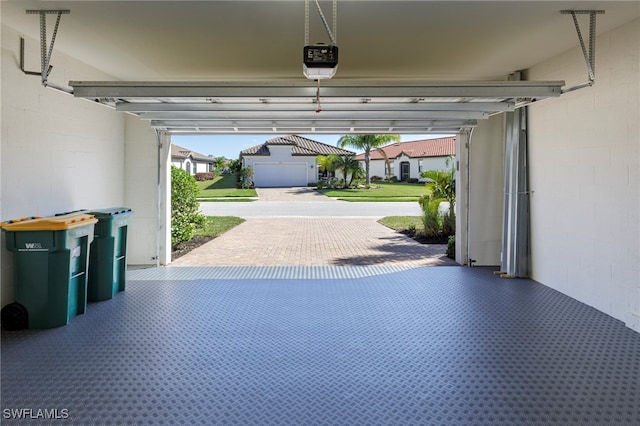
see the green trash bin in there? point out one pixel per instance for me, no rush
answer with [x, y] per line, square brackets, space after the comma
[51, 262]
[108, 254]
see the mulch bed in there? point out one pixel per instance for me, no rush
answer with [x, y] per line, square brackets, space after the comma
[185, 247]
[423, 239]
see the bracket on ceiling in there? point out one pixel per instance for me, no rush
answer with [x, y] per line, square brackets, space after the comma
[590, 55]
[22, 62]
[45, 56]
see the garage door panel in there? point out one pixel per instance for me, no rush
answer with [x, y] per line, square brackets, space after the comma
[277, 174]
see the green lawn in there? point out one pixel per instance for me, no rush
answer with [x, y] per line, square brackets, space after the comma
[379, 191]
[402, 223]
[218, 225]
[223, 187]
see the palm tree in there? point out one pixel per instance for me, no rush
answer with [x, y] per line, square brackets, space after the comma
[443, 182]
[357, 172]
[219, 164]
[326, 164]
[347, 165]
[387, 163]
[366, 143]
[443, 187]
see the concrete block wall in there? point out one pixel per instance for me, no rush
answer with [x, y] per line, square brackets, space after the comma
[584, 150]
[58, 153]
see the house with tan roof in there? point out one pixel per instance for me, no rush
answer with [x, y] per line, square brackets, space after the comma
[287, 161]
[409, 159]
[191, 161]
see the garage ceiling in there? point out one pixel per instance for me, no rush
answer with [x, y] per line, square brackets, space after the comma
[235, 66]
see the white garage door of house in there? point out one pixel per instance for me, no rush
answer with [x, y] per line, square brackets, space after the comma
[275, 174]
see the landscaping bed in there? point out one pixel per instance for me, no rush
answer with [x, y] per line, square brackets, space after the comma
[412, 227]
[185, 247]
[422, 239]
[214, 226]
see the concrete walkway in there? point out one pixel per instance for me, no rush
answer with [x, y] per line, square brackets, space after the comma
[299, 227]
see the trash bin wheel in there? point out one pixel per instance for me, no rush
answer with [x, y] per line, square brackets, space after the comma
[14, 316]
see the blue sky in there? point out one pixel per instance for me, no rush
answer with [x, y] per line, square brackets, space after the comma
[229, 146]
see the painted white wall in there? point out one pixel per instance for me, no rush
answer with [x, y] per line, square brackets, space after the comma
[58, 153]
[430, 163]
[195, 166]
[462, 197]
[377, 167]
[584, 152]
[479, 193]
[151, 219]
[201, 167]
[486, 156]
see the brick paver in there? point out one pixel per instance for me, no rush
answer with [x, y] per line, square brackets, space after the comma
[313, 241]
[298, 195]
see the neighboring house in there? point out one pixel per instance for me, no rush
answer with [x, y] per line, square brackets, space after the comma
[287, 161]
[191, 161]
[409, 159]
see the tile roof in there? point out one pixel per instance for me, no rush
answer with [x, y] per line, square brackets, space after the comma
[440, 147]
[300, 146]
[180, 152]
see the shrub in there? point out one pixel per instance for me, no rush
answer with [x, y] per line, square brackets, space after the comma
[322, 183]
[449, 224]
[246, 177]
[358, 183]
[430, 216]
[412, 229]
[185, 215]
[205, 176]
[451, 247]
[376, 178]
[393, 179]
[336, 183]
[234, 167]
[412, 180]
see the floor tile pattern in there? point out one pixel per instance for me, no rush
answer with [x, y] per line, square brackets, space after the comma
[424, 346]
[262, 272]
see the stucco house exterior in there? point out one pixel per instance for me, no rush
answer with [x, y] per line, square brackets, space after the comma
[287, 161]
[409, 159]
[191, 161]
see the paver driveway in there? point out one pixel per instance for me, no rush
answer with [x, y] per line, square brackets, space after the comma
[290, 239]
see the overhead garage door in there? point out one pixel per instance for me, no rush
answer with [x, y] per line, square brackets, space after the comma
[276, 174]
